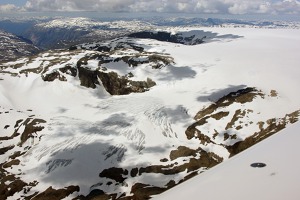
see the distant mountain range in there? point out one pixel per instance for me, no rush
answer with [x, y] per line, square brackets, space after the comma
[49, 33]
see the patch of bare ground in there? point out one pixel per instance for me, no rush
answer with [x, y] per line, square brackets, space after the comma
[16, 154]
[3, 150]
[11, 163]
[68, 69]
[97, 195]
[272, 126]
[220, 115]
[56, 194]
[9, 183]
[197, 159]
[241, 96]
[182, 151]
[55, 75]
[31, 127]
[273, 93]
[12, 188]
[237, 115]
[142, 191]
[193, 132]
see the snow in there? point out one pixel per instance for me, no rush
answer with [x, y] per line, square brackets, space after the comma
[89, 130]
[81, 23]
[236, 179]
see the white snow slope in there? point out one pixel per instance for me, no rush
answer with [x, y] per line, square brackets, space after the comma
[236, 179]
[89, 130]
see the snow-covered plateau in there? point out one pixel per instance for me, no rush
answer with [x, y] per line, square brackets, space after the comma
[132, 117]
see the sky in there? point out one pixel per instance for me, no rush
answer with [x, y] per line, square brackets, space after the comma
[238, 7]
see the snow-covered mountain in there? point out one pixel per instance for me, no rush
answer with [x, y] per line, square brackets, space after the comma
[211, 22]
[65, 32]
[134, 116]
[12, 46]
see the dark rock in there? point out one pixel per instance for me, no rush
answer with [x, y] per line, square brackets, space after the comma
[11, 163]
[114, 174]
[11, 189]
[3, 150]
[30, 128]
[88, 78]
[182, 151]
[134, 172]
[16, 154]
[53, 76]
[82, 61]
[116, 85]
[68, 69]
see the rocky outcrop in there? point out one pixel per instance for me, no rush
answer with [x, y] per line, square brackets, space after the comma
[24, 129]
[272, 126]
[120, 85]
[88, 78]
[53, 76]
[236, 122]
[68, 69]
[196, 159]
[142, 191]
[241, 96]
[115, 174]
[56, 194]
[112, 82]
[32, 127]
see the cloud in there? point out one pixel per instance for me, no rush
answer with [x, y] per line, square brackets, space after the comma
[251, 7]
[78, 5]
[181, 6]
[8, 8]
[287, 7]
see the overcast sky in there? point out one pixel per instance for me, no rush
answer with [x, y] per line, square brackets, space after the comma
[181, 6]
